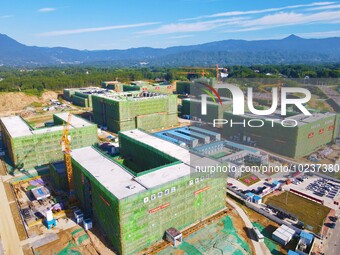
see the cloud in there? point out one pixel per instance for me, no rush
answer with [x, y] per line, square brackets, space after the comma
[238, 13]
[180, 36]
[47, 10]
[286, 19]
[292, 18]
[335, 33]
[94, 29]
[190, 27]
[327, 7]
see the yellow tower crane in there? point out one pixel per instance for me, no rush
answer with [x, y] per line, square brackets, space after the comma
[278, 85]
[202, 70]
[66, 148]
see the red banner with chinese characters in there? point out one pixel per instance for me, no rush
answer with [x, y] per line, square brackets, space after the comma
[201, 190]
[159, 208]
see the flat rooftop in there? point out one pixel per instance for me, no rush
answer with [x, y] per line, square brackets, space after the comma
[86, 89]
[76, 121]
[133, 96]
[17, 127]
[110, 174]
[118, 180]
[300, 118]
[167, 147]
[164, 175]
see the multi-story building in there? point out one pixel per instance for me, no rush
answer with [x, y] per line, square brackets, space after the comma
[28, 147]
[149, 189]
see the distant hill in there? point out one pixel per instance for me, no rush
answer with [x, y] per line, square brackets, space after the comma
[290, 50]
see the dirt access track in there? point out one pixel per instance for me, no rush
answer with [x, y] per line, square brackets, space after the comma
[11, 102]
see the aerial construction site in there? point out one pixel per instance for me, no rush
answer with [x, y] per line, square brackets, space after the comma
[127, 169]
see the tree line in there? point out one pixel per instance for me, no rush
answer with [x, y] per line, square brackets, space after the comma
[35, 81]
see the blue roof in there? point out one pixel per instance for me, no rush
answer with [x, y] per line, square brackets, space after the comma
[250, 194]
[210, 145]
[241, 146]
[257, 198]
[204, 131]
[306, 235]
[185, 137]
[290, 252]
[191, 133]
[276, 183]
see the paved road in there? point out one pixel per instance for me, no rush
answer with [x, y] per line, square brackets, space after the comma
[259, 249]
[9, 235]
[332, 245]
[1, 248]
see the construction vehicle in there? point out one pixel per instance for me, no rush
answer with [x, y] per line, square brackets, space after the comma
[66, 148]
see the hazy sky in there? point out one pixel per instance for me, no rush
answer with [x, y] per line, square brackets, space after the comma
[115, 24]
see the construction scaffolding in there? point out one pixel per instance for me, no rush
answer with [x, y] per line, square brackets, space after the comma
[146, 110]
[28, 148]
[136, 211]
[58, 175]
[311, 133]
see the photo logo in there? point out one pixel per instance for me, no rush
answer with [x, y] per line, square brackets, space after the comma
[238, 98]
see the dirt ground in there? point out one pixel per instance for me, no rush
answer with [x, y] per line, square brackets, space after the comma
[68, 242]
[256, 217]
[9, 236]
[98, 243]
[13, 102]
[240, 227]
[15, 212]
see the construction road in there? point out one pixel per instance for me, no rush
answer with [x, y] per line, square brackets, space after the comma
[332, 244]
[260, 248]
[10, 242]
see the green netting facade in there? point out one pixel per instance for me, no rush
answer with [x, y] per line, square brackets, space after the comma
[58, 177]
[165, 89]
[127, 88]
[67, 94]
[129, 113]
[214, 110]
[39, 149]
[293, 142]
[132, 224]
[80, 101]
[130, 148]
[183, 87]
[78, 97]
[117, 86]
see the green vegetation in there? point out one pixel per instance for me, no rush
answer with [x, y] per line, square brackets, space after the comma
[220, 237]
[37, 104]
[35, 81]
[267, 233]
[219, 155]
[309, 212]
[249, 179]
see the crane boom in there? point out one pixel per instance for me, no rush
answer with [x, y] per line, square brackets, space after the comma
[66, 148]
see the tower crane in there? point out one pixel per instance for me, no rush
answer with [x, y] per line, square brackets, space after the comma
[202, 70]
[278, 85]
[66, 148]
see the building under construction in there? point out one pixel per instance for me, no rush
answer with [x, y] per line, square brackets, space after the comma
[130, 110]
[310, 133]
[134, 200]
[28, 147]
[192, 107]
[82, 96]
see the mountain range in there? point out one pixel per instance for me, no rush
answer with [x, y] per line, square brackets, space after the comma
[289, 50]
